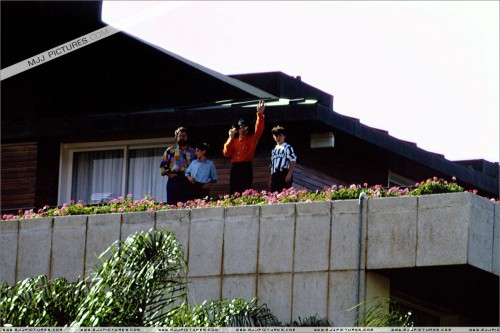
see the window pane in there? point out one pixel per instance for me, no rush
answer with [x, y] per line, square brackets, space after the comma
[144, 176]
[97, 176]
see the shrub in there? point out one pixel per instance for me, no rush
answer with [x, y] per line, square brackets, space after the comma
[249, 197]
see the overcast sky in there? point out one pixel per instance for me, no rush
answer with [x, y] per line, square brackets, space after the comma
[426, 71]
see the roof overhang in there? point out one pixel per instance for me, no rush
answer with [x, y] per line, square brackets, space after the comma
[119, 73]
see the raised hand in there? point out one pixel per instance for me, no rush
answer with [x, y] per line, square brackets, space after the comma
[261, 107]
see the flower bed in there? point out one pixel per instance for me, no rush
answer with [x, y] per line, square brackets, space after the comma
[249, 197]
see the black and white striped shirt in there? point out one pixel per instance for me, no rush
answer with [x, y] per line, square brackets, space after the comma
[281, 156]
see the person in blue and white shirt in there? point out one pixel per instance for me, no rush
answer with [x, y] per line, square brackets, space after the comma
[283, 161]
[201, 173]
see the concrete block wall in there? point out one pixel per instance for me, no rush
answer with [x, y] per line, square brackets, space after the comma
[300, 259]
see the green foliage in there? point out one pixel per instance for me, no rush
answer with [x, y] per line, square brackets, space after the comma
[142, 284]
[435, 186]
[36, 302]
[226, 313]
[139, 285]
[249, 197]
[312, 321]
[381, 312]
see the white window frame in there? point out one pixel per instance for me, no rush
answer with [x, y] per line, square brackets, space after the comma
[67, 151]
[399, 180]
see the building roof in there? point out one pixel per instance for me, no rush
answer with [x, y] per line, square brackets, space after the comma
[481, 173]
[119, 74]
[124, 80]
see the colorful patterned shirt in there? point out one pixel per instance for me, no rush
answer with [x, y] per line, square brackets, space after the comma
[177, 160]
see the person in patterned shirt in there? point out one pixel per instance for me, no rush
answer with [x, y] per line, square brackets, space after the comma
[283, 160]
[174, 163]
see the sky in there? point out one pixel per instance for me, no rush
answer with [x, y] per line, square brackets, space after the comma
[425, 71]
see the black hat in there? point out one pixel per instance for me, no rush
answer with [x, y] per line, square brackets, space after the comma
[203, 146]
[242, 123]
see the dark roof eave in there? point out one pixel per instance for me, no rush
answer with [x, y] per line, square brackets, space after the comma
[408, 150]
[256, 92]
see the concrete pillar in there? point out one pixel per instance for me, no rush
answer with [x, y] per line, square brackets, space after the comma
[392, 232]
[276, 238]
[176, 221]
[443, 222]
[102, 231]
[9, 235]
[134, 222]
[205, 242]
[35, 238]
[241, 240]
[68, 247]
[312, 237]
[345, 235]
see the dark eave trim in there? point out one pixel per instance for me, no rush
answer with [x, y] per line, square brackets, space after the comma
[256, 92]
[355, 128]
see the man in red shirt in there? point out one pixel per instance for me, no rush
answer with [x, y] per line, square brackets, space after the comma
[241, 150]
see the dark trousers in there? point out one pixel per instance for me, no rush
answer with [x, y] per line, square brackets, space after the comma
[241, 177]
[178, 189]
[278, 182]
[198, 192]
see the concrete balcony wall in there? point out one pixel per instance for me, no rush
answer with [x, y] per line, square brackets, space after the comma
[300, 259]
[9, 235]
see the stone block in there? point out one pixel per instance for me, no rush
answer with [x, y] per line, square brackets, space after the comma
[345, 234]
[496, 242]
[392, 232]
[9, 234]
[205, 241]
[275, 290]
[443, 222]
[102, 231]
[241, 239]
[244, 286]
[343, 292]
[481, 233]
[312, 236]
[207, 214]
[134, 222]
[204, 289]
[68, 247]
[309, 295]
[177, 221]
[277, 224]
[33, 256]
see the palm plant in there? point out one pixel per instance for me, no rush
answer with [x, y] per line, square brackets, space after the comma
[312, 321]
[139, 285]
[38, 302]
[225, 313]
[381, 312]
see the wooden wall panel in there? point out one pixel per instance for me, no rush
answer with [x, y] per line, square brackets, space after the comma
[304, 177]
[18, 173]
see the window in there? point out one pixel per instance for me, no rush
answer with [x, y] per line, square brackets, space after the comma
[100, 171]
[396, 180]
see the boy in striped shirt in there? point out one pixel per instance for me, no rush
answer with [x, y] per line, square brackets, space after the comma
[283, 160]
